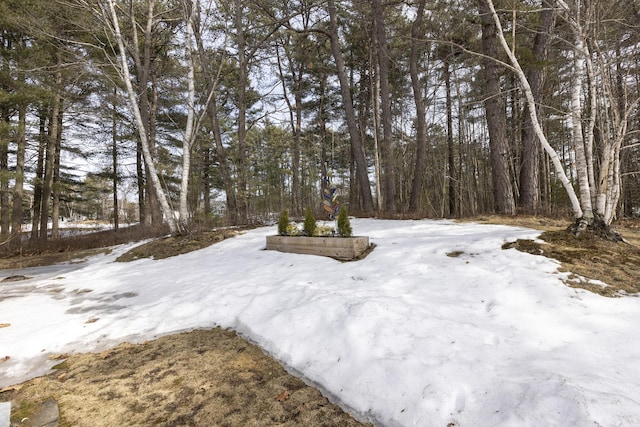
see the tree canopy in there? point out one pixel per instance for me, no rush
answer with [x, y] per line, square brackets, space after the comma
[439, 109]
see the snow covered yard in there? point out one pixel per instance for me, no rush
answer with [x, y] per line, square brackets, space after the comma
[437, 325]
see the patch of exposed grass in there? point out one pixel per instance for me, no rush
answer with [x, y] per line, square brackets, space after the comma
[175, 245]
[23, 253]
[198, 378]
[23, 410]
[41, 259]
[79, 248]
[598, 265]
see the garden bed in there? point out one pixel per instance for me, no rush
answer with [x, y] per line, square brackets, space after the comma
[342, 248]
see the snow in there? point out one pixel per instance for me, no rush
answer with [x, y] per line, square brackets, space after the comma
[437, 325]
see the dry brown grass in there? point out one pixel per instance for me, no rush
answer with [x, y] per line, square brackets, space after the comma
[76, 246]
[175, 245]
[591, 260]
[199, 378]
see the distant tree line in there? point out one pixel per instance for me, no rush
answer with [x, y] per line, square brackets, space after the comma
[438, 109]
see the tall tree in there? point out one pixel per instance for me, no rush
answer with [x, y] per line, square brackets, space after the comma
[352, 124]
[529, 172]
[51, 146]
[389, 181]
[515, 66]
[421, 128]
[496, 116]
[207, 59]
[111, 16]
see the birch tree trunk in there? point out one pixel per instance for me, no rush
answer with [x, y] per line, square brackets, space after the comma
[617, 120]
[241, 158]
[187, 140]
[515, 66]
[140, 127]
[579, 74]
[388, 177]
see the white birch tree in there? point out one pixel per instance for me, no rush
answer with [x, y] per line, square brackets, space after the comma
[555, 159]
[193, 120]
[590, 92]
[189, 132]
[111, 16]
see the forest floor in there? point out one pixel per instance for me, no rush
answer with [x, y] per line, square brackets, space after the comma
[214, 377]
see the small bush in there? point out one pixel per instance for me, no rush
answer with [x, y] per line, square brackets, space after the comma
[283, 223]
[309, 227]
[293, 230]
[344, 225]
[325, 231]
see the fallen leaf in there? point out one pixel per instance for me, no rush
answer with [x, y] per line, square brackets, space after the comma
[4, 359]
[5, 325]
[11, 388]
[93, 320]
[58, 356]
[283, 395]
[106, 354]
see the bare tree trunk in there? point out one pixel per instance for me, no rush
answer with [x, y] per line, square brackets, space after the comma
[374, 88]
[55, 199]
[135, 109]
[452, 178]
[18, 189]
[496, 119]
[295, 121]
[225, 170]
[529, 201]
[609, 184]
[114, 161]
[421, 126]
[147, 107]
[389, 182]
[49, 165]
[515, 66]
[242, 116]
[150, 113]
[38, 182]
[579, 73]
[142, 187]
[4, 174]
[187, 140]
[356, 141]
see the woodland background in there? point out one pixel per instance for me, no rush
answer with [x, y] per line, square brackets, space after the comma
[164, 111]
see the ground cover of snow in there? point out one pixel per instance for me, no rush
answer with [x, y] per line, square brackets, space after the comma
[437, 325]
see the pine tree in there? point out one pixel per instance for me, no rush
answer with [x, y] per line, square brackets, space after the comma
[344, 225]
[309, 223]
